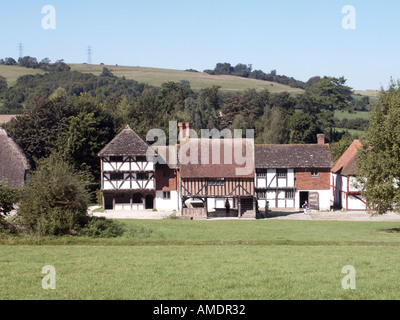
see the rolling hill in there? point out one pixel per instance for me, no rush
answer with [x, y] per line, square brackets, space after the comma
[156, 77]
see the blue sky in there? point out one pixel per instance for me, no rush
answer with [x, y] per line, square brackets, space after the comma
[298, 38]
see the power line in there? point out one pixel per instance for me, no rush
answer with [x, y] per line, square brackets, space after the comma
[21, 50]
[89, 53]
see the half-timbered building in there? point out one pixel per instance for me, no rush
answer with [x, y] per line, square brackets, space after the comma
[201, 178]
[218, 176]
[346, 193]
[127, 176]
[288, 175]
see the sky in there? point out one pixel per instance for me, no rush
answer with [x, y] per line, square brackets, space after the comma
[297, 38]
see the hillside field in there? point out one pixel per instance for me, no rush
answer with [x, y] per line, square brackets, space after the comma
[12, 73]
[198, 80]
[156, 77]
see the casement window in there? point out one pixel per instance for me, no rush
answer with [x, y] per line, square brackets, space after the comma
[116, 159]
[117, 176]
[216, 182]
[281, 173]
[142, 176]
[166, 195]
[261, 195]
[261, 173]
[289, 194]
[314, 173]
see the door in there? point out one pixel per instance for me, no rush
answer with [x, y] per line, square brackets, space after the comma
[149, 201]
[108, 203]
[303, 198]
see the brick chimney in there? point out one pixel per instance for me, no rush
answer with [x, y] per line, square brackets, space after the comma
[321, 138]
[184, 130]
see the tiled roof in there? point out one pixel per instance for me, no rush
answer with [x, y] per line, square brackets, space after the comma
[346, 165]
[293, 156]
[207, 163]
[126, 143]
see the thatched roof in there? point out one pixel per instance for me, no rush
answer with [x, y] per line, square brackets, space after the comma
[4, 118]
[346, 165]
[13, 161]
[287, 156]
[216, 158]
[126, 143]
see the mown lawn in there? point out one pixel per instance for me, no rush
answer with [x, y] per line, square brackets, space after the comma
[185, 260]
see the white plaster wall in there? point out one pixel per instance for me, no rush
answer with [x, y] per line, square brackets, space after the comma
[356, 204]
[167, 204]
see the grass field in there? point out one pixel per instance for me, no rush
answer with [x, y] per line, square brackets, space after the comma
[157, 77]
[354, 115]
[198, 80]
[186, 260]
[12, 73]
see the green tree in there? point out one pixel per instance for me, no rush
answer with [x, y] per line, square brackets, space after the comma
[302, 128]
[272, 127]
[208, 104]
[89, 129]
[56, 200]
[379, 158]
[339, 147]
[37, 131]
[3, 84]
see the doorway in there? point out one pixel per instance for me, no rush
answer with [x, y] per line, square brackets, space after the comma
[149, 201]
[303, 197]
[108, 203]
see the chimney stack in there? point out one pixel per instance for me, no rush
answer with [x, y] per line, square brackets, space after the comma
[184, 130]
[321, 138]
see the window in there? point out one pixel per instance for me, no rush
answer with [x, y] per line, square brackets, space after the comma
[260, 195]
[314, 173]
[289, 194]
[117, 176]
[137, 198]
[166, 174]
[142, 176]
[282, 173]
[216, 182]
[141, 159]
[261, 173]
[116, 159]
[166, 195]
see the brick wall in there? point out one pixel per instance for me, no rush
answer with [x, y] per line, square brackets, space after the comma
[304, 180]
[163, 183]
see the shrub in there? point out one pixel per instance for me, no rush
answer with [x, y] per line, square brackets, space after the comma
[56, 200]
[8, 198]
[99, 227]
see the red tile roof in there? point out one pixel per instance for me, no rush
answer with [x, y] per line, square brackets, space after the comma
[346, 165]
[207, 163]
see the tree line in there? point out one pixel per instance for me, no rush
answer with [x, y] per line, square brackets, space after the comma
[246, 71]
